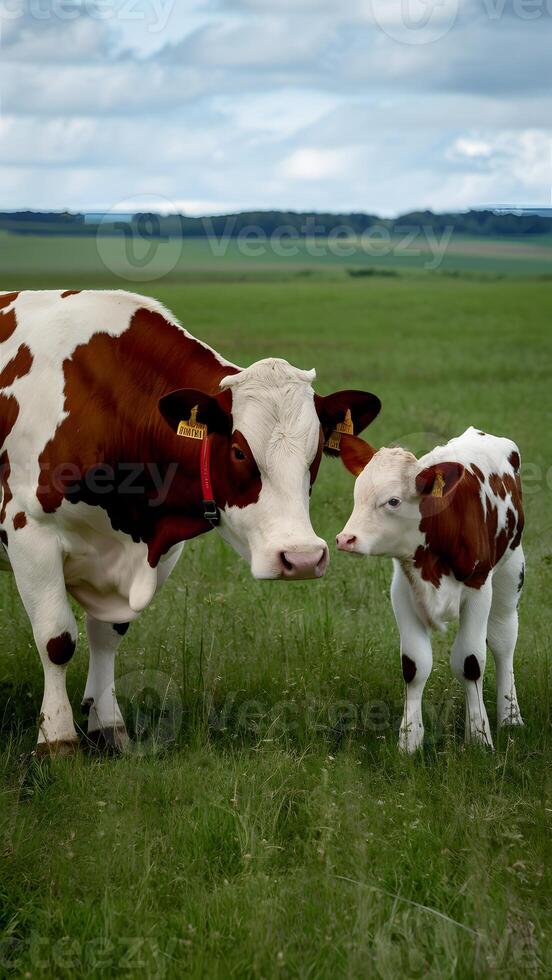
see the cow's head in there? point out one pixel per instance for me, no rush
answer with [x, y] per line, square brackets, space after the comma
[392, 489]
[269, 433]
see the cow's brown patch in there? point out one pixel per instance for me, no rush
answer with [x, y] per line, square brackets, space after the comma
[19, 521]
[18, 367]
[70, 292]
[8, 323]
[408, 668]
[6, 299]
[478, 473]
[463, 539]
[113, 386]
[9, 410]
[61, 648]
[496, 484]
[472, 671]
[5, 470]
[514, 461]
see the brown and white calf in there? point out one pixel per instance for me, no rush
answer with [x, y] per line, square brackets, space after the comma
[121, 436]
[452, 522]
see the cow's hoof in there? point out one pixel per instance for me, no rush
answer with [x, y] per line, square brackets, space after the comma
[86, 705]
[65, 747]
[111, 741]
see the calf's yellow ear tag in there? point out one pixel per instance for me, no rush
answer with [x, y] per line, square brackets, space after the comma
[346, 427]
[192, 429]
[439, 484]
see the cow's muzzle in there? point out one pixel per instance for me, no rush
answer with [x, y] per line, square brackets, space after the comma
[298, 565]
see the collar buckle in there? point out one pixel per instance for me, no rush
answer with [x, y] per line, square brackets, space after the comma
[211, 512]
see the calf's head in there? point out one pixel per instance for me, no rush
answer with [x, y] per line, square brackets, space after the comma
[392, 492]
[269, 431]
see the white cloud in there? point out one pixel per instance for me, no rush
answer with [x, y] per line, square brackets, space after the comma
[316, 164]
[307, 104]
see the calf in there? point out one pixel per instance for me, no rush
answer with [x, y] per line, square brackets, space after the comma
[121, 437]
[452, 523]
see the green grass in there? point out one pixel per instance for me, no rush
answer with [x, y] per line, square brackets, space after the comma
[265, 825]
[43, 262]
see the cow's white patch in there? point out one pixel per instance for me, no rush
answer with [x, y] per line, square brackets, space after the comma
[273, 407]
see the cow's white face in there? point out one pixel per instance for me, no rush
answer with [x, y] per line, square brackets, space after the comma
[273, 410]
[386, 513]
[268, 430]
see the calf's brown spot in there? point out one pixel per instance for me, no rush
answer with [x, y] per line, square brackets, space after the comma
[472, 670]
[408, 668]
[61, 648]
[18, 367]
[70, 292]
[514, 461]
[19, 521]
[8, 324]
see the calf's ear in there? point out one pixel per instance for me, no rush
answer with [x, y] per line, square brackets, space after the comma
[355, 453]
[190, 404]
[334, 409]
[439, 480]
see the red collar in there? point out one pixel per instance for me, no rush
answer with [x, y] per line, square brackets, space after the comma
[211, 512]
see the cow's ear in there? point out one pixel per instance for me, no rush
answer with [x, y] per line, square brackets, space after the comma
[190, 405]
[439, 480]
[347, 412]
[355, 453]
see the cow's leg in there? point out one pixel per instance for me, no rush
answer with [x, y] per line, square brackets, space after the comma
[502, 635]
[106, 727]
[37, 564]
[416, 660]
[468, 659]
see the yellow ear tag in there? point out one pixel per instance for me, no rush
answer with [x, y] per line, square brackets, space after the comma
[192, 429]
[439, 484]
[346, 427]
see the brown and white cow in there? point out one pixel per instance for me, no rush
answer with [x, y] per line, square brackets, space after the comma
[121, 436]
[452, 522]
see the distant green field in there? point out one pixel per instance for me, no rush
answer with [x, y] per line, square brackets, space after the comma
[42, 261]
[265, 825]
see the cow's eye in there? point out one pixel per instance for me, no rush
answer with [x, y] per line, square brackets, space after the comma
[394, 503]
[238, 454]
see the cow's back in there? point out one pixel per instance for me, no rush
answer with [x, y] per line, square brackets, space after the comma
[483, 520]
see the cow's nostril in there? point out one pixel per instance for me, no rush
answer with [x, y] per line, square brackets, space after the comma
[285, 562]
[346, 542]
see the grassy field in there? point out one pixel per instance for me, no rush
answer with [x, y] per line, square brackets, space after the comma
[40, 261]
[265, 825]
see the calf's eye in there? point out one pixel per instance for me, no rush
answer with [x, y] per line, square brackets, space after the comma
[394, 503]
[238, 454]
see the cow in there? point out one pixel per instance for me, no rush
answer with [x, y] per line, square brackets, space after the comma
[452, 522]
[121, 437]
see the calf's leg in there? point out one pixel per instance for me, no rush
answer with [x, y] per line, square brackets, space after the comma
[502, 635]
[416, 661]
[468, 660]
[106, 727]
[37, 564]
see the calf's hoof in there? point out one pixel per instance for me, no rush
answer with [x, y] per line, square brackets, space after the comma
[65, 747]
[109, 741]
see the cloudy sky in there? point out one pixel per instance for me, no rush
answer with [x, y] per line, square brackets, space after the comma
[216, 105]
